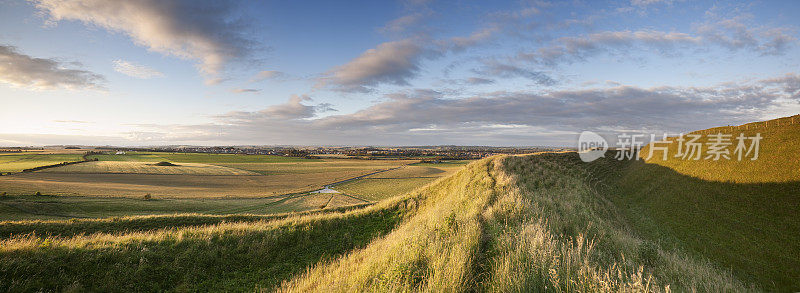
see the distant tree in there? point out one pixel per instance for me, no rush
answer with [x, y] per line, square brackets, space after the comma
[148, 197]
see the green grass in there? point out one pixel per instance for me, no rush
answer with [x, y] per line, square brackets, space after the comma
[197, 180]
[127, 167]
[397, 182]
[777, 162]
[16, 162]
[223, 257]
[32, 207]
[375, 189]
[444, 163]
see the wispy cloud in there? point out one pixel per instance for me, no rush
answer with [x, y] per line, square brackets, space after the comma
[242, 91]
[267, 74]
[495, 68]
[389, 63]
[197, 30]
[292, 109]
[21, 70]
[136, 70]
[732, 33]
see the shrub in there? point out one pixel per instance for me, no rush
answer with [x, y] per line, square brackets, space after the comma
[148, 197]
[38, 193]
[165, 164]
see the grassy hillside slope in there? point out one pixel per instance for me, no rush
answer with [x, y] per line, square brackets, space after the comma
[749, 229]
[778, 160]
[514, 224]
[239, 256]
[545, 222]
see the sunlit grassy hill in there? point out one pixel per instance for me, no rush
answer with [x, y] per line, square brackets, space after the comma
[778, 157]
[544, 222]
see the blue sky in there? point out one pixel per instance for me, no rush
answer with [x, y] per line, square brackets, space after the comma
[388, 73]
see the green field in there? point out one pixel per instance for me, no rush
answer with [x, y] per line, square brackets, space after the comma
[195, 176]
[16, 162]
[197, 158]
[131, 167]
[399, 181]
[13, 208]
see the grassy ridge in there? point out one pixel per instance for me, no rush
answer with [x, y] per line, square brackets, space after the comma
[74, 227]
[221, 257]
[777, 161]
[514, 224]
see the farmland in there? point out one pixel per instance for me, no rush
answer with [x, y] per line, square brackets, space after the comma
[194, 176]
[213, 184]
[16, 162]
[399, 181]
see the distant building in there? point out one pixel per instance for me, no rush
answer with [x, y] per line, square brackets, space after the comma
[120, 153]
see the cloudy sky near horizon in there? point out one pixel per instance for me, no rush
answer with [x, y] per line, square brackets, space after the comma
[412, 72]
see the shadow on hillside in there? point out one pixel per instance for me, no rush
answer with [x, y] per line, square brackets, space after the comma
[747, 228]
[230, 260]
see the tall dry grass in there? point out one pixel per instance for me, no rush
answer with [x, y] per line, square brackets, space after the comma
[513, 224]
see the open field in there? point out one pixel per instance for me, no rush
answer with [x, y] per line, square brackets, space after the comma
[197, 158]
[14, 208]
[134, 175]
[328, 166]
[16, 162]
[199, 183]
[399, 181]
[128, 167]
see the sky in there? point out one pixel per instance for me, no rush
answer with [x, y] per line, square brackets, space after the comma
[411, 72]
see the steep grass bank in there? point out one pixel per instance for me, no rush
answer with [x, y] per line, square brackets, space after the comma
[74, 227]
[778, 160]
[221, 257]
[438, 249]
[749, 229]
[514, 224]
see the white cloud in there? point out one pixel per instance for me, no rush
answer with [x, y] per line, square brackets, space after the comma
[391, 63]
[135, 70]
[196, 30]
[402, 23]
[292, 109]
[21, 70]
[267, 74]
